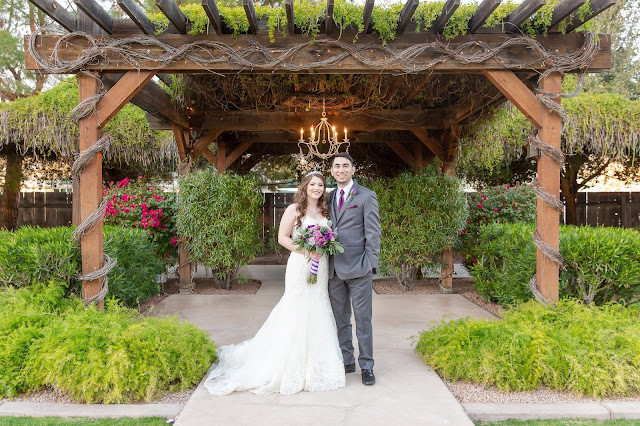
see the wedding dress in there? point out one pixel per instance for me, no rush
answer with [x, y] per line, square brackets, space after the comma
[295, 349]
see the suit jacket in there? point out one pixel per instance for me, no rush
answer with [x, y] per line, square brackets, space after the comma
[358, 229]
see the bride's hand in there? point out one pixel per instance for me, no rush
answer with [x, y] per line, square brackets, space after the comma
[315, 256]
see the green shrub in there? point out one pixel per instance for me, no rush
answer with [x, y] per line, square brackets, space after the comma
[602, 264]
[496, 204]
[33, 255]
[109, 356]
[218, 220]
[421, 215]
[134, 278]
[584, 349]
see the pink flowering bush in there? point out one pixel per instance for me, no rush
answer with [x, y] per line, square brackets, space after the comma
[140, 203]
[496, 204]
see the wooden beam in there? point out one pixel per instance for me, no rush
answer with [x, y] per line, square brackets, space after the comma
[91, 243]
[250, 11]
[170, 9]
[203, 143]
[518, 93]
[120, 94]
[221, 156]
[96, 13]
[548, 218]
[597, 7]
[559, 44]
[137, 15]
[366, 120]
[392, 89]
[181, 143]
[328, 18]
[447, 11]
[291, 24]
[154, 100]
[526, 9]
[434, 146]
[211, 9]
[406, 14]
[485, 10]
[366, 15]
[58, 13]
[563, 10]
[236, 153]
[415, 89]
[210, 156]
[402, 153]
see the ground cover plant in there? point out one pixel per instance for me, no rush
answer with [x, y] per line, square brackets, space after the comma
[31, 255]
[81, 421]
[569, 346]
[602, 265]
[94, 356]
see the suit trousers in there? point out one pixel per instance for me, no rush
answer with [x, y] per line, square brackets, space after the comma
[344, 294]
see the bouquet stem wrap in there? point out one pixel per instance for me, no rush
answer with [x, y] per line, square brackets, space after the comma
[313, 272]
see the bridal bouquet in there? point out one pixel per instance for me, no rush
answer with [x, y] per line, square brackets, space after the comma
[321, 239]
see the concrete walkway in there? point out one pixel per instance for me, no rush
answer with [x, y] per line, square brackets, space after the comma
[406, 392]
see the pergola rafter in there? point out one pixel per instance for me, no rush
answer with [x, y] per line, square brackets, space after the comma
[416, 92]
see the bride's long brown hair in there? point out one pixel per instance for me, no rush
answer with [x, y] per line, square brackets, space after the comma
[301, 198]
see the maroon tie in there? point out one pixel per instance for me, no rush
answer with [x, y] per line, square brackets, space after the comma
[341, 200]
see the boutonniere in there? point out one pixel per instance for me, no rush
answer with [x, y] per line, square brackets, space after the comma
[352, 193]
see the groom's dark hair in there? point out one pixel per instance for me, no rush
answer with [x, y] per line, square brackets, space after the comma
[343, 155]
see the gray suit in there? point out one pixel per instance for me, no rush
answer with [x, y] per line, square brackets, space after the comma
[350, 275]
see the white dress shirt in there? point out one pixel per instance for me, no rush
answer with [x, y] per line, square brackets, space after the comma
[346, 193]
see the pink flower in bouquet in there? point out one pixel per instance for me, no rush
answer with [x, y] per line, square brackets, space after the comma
[321, 242]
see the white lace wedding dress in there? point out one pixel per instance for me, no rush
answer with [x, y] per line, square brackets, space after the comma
[295, 349]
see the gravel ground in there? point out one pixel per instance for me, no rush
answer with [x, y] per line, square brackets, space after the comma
[461, 286]
[52, 396]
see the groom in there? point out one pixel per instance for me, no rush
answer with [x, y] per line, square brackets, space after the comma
[354, 213]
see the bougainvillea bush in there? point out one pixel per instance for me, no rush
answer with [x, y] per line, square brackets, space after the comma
[141, 203]
[497, 204]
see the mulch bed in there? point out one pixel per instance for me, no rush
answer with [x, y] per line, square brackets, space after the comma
[461, 286]
[202, 286]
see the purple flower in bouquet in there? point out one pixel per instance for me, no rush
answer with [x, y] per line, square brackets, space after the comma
[319, 239]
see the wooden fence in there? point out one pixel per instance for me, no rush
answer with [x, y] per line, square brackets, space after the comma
[45, 209]
[622, 209]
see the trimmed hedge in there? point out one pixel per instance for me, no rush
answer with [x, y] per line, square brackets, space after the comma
[602, 264]
[569, 346]
[33, 255]
[94, 356]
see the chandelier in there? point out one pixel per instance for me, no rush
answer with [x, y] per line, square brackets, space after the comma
[323, 133]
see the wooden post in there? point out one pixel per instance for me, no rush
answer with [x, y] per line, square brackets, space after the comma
[221, 155]
[446, 273]
[417, 154]
[548, 219]
[90, 190]
[184, 168]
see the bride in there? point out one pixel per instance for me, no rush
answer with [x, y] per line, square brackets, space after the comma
[297, 347]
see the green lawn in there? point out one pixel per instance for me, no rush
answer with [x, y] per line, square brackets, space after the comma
[79, 421]
[562, 422]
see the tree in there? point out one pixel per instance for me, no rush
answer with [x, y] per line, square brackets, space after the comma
[601, 129]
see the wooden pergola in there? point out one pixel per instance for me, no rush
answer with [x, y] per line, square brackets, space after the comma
[248, 97]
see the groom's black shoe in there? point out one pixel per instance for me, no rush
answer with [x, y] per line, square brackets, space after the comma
[349, 368]
[368, 378]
